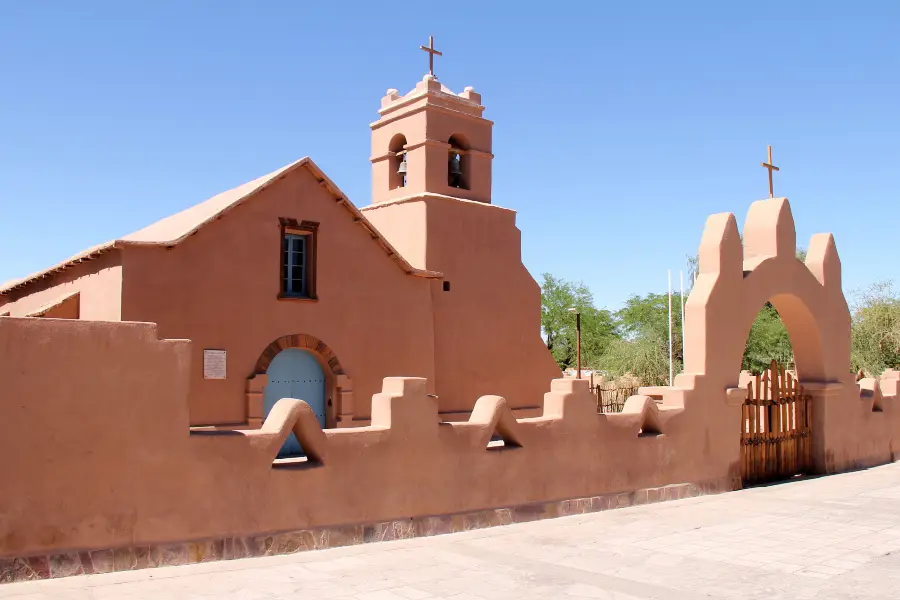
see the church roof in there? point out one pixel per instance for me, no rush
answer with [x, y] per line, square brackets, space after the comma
[175, 228]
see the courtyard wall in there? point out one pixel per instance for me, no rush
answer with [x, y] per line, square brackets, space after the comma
[100, 453]
[100, 456]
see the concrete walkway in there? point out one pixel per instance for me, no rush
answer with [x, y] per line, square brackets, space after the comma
[832, 537]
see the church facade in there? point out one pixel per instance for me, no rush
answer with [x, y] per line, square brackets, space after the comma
[286, 289]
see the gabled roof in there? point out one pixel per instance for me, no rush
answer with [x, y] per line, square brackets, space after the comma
[173, 229]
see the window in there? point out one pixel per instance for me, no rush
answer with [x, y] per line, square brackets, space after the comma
[295, 269]
[298, 256]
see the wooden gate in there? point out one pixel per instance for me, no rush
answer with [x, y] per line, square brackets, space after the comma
[776, 440]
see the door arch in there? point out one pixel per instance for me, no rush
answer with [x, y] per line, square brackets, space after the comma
[338, 385]
[295, 373]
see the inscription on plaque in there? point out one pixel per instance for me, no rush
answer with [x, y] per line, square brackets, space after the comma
[213, 364]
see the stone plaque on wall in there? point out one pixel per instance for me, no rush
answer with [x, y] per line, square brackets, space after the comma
[213, 364]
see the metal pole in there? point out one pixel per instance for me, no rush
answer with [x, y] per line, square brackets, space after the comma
[671, 366]
[681, 277]
[578, 341]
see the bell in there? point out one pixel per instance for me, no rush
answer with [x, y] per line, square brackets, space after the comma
[454, 165]
[401, 170]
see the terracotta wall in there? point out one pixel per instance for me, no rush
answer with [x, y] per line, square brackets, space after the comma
[94, 423]
[219, 288]
[96, 426]
[92, 415]
[98, 283]
[487, 324]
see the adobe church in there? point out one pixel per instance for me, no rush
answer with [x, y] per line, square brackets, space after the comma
[287, 289]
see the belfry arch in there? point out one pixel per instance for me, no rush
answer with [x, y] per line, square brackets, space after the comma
[338, 385]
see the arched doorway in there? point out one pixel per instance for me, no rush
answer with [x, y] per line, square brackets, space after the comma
[338, 386]
[295, 373]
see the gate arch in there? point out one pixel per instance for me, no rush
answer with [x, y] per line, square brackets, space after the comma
[338, 385]
[736, 280]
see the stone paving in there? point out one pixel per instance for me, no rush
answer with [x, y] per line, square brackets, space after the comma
[832, 538]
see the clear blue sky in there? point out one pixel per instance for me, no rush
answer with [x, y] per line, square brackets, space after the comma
[618, 127]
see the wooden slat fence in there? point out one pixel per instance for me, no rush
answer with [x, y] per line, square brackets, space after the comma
[776, 438]
[611, 395]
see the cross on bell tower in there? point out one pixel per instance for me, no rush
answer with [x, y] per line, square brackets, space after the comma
[431, 53]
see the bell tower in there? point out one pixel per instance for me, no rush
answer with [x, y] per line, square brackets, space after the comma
[431, 199]
[431, 141]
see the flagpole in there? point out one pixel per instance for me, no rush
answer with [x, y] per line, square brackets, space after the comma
[681, 277]
[671, 366]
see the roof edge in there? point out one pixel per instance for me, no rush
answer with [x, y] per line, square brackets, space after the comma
[84, 256]
[358, 217]
[306, 161]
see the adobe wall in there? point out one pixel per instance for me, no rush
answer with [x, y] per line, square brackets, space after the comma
[91, 416]
[98, 282]
[220, 286]
[487, 326]
[94, 422]
[95, 416]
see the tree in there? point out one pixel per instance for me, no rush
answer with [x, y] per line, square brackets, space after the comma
[642, 349]
[558, 323]
[768, 339]
[875, 344]
[693, 265]
[646, 358]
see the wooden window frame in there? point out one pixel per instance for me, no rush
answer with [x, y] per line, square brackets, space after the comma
[309, 230]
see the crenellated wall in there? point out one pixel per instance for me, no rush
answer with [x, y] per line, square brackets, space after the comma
[100, 455]
[101, 464]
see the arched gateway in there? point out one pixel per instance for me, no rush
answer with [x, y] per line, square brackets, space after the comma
[736, 279]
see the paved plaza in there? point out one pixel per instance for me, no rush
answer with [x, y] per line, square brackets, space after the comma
[830, 537]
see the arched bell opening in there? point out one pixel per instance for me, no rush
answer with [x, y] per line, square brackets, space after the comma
[458, 162]
[398, 168]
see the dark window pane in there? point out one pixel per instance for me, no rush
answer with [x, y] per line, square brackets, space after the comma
[294, 263]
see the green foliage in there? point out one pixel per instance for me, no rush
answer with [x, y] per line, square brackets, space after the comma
[635, 340]
[768, 340]
[645, 357]
[876, 330]
[558, 323]
[642, 349]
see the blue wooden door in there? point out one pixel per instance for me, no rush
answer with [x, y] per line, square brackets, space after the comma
[295, 373]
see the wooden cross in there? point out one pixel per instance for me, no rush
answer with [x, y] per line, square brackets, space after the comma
[771, 168]
[431, 52]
